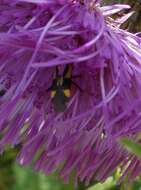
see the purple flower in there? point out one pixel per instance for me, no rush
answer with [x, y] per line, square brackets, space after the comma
[70, 83]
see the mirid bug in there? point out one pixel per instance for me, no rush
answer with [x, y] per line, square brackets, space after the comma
[61, 88]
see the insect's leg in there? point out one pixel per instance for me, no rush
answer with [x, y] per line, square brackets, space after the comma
[77, 86]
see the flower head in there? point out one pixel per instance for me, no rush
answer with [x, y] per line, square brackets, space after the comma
[71, 83]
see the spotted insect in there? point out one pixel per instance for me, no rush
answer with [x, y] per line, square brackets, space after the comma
[61, 88]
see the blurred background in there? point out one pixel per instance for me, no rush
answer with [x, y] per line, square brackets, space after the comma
[15, 177]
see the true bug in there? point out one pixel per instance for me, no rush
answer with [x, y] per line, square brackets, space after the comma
[61, 88]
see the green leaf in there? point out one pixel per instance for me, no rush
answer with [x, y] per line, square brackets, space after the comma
[108, 184]
[131, 146]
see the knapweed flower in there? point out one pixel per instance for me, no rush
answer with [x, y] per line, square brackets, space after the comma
[70, 82]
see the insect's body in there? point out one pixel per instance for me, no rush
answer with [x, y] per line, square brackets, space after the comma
[60, 92]
[61, 89]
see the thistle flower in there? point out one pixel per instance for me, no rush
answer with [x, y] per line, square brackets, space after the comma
[46, 45]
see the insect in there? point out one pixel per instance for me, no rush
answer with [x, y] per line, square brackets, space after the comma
[61, 88]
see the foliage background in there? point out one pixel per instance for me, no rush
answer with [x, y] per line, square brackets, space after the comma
[15, 177]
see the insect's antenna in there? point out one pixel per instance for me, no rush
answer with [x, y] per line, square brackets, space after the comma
[67, 71]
